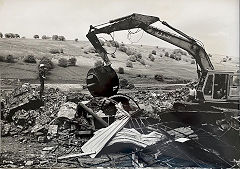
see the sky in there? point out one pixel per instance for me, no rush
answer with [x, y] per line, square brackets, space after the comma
[214, 22]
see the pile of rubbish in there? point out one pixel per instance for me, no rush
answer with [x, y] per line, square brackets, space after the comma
[79, 130]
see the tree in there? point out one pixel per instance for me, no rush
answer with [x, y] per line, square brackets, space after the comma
[7, 35]
[17, 35]
[44, 37]
[1, 35]
[76, 39]
[36, 37]
[61, 38]
[55, 37]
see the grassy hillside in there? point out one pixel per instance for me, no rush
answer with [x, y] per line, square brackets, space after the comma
[86, 58]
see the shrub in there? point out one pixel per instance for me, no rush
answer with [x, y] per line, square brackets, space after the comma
[138, 55]
[17, 35]
[151, 57]
[7, 35]
[55, 37]
[36, 37]
[159, 77]
[224, 59]
[129, 51]
[192, 61]
[72, 61]
[44, 37]
[56, 51]
[98, 63]
[114, 43]
[129, 64]
[167, 54]
[1, 35]
[123, 83]
[12, 35]
[122, 48]
[154, 52]
[61, 38]
[47, 62]
[142, 61]
[178, 58]
[173, 56]
[121, 70]
[29, 59]
[76, 39]
[10, 59]
[2, 58]
[132, 58]
[63, 62]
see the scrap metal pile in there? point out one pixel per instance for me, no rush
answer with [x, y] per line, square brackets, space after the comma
[74, 126]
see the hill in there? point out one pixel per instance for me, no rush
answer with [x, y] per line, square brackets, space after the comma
[170, 68]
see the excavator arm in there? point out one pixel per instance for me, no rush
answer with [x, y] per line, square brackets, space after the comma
[144, 22]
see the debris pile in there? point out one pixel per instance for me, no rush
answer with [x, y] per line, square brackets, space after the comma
[66, 127]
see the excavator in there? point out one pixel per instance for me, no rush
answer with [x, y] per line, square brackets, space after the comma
[217, 102]
[214, 88]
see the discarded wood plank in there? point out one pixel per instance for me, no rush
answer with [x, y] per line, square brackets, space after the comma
[75, 155]
[101, 138]
[90, 111]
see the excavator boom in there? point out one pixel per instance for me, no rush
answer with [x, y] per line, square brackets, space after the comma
[144, 22]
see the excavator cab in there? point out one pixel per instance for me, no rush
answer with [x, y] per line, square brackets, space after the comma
[221, 86]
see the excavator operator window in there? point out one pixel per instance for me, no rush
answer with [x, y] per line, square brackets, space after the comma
[208, 86]
[220, 86]
[234, 85]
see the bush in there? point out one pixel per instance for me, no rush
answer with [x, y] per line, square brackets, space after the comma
[166, 54]
[56, 51]
[151, 57]
[17, 35]
[178, 58]
[129, 51]
[122, 48]
[76, 39]
[159, 77]
[121, 70]
[72, 61]
[12, 35]
[55, 37]
[61, 38]
[63, 62]
[1, 35]
[114, 43]
[154, 52]
[10, 59]
[98, 63]
[123, 83]
[47, 62]
[132, 58]
[173, 56]
[44, 37]
[2, 58]
[36, 37]
[138, 55]
[29, 59]
[192, 61]
[142, 61]
[7, 35]
[129, 64]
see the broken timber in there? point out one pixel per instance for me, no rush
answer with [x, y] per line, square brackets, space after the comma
[102, 137]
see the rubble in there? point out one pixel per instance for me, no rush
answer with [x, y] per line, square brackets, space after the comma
[65, 123]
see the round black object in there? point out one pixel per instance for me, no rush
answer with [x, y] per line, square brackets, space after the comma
[102, 81]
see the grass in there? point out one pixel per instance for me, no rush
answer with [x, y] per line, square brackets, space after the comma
[20, 48]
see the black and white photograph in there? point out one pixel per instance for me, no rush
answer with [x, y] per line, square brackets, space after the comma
[119, 84]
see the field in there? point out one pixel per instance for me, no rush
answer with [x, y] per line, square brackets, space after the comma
[169, 68]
